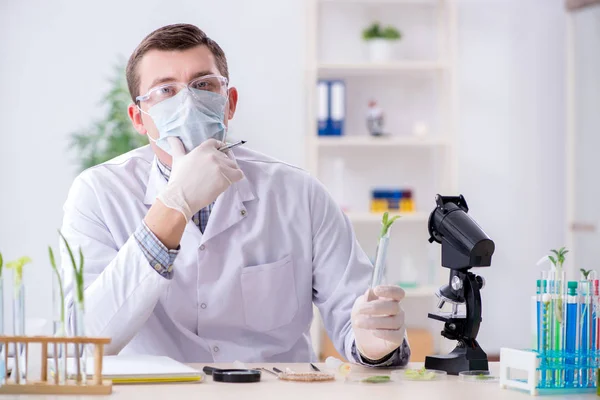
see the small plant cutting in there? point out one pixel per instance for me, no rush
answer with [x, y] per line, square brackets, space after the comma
[60, 288]
[586, 273]
[376, 31]
[77, 272]
[17, 265]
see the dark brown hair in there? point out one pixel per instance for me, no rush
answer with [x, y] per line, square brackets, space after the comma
[172, 37]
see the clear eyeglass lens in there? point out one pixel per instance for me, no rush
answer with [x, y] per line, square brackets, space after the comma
[215, 84]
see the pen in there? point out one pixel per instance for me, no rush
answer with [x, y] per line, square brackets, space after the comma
[232, 145]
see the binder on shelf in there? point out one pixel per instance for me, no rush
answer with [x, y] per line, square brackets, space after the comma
[337, 111]
[323, 119]
[331, 112]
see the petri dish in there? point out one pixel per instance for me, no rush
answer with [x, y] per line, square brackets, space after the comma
[424, 375]
[477, 376]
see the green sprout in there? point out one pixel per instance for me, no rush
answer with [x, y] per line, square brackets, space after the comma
[419, 374]
[78, 271]
[1, 264]
[375, 31]
[60, 285]
[18, 265]
[585, 273]
[387, 223]
[559, 258]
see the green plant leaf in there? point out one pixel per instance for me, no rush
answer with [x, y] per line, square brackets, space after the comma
[552, 260]
[1, 264]
[17, 265]
[60, 284]
[112, 134]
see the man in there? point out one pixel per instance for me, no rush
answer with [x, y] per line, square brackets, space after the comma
[204, 255]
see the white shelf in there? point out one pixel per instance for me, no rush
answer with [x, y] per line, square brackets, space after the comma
[368, 217]
[421, 291]
[346, 69]
[363, 141]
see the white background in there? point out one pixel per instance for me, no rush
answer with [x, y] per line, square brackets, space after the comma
[55, 58]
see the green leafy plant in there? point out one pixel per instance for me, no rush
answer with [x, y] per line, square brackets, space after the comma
[113, 134]
[376, 31]
[386, 223]
[585, 273]
[78, 271]
[60, 284]
[559, 257]
[17, 266]
[1, 264]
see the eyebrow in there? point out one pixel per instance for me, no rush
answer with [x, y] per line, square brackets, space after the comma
[167, 79]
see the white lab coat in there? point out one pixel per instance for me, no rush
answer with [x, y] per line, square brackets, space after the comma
[275, 243]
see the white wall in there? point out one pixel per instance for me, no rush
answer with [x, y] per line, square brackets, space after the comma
[55, 58]
[53, 70]
[511, 161]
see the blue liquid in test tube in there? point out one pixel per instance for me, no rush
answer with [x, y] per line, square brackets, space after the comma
[571, 334]
[585, 343]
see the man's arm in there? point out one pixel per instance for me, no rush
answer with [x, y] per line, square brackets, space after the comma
[341, 273]
[122, 288]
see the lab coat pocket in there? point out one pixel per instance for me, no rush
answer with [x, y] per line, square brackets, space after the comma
[269, 292]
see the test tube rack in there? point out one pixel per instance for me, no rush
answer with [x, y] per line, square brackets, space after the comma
[547, 373]
[13, 385]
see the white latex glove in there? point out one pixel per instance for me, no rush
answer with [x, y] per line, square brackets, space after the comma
[199, 177]
[378, 321]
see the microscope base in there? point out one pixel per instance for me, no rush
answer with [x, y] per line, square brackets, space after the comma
[460, 359]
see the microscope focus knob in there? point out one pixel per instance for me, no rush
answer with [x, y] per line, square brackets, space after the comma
[456, 283]
[481, 281]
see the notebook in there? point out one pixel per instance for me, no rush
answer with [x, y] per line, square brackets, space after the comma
[140, 369]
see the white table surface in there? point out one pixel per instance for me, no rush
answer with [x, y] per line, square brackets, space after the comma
[271, 388]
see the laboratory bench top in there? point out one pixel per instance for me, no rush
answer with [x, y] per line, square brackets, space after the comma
[271, 388]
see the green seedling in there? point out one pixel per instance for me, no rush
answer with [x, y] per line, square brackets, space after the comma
[78, 271]
[585, 273]
[559, 257]
[17, 266]
[386, 223]
[60, 284]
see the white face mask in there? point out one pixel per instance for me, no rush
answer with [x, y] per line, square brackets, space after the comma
[192, 115]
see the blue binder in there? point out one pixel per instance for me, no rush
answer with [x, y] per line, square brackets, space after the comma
[331, 112]
[337, 107]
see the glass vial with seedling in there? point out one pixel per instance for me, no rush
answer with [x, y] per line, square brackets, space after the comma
[18, 305]
[58, 350]
[381, 253]
[78, 311]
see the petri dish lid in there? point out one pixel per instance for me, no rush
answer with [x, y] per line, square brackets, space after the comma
[424, 375]
[477, 376]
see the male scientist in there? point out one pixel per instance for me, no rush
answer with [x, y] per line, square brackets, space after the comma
[205, 255]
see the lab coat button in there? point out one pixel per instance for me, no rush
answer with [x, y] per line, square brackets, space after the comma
[243, 212]
[157, 267]
[203, 305]
[202, 247]
[216, 349]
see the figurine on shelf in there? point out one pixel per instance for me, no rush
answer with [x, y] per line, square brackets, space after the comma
[375, 119]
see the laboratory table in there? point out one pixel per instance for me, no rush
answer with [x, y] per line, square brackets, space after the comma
[271, 388]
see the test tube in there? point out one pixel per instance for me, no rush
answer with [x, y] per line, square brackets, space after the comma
[585, 313]
[559, 328]
[595, 328]
[538, 306]
[571, 334]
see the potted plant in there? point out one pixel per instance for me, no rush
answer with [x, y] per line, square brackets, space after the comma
[379, 40]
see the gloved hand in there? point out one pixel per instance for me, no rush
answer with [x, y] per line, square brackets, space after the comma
[378, 321]
[198, 178]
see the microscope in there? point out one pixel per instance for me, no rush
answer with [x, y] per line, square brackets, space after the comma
[464, 246]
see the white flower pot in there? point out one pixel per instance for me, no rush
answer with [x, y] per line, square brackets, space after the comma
[380, 50]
